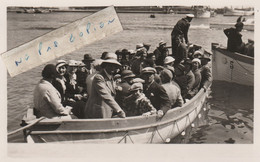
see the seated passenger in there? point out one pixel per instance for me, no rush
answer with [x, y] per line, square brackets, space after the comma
[137, 103]
[185, 79]
[171, 89]
[101, 102]
[205, 70]
[235, 43]
[127, 76]
[155, 92]
[160, 53]
[72, 90]
[60, 82]
[46, 98]
[196, 63]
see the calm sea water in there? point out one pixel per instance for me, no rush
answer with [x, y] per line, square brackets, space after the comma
[230, 119]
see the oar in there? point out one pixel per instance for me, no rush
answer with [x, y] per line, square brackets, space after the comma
[27, 126]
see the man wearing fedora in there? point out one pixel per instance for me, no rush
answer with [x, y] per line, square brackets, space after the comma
[180, 32]
[155, 92]
[160, 53]
[101, 102]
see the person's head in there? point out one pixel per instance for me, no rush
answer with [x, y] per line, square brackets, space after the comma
[197, 54]
[136, 88]
[180, 70]
[97, 64]
[110, 64]
[169, 61]
[61, 67]
[81, 66]
[147, 46]
[88, 60]
[166, 76]
[49, 72]
[128, 76]
[139, 45]
[72, 66]
[204, 60]
[103, 56]
[196, 63]
[162, 44]
[119, 54]
[187, 63]
[189, 17]
[239, 26]
[147, 74]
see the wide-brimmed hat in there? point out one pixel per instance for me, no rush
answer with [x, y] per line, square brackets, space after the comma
[72, 63]
[80, 64]
[162, 43]
[136, 86]
[198, 52]
[196, 60]
[127, 74]
[60, 63]
[87, 57]
[111, 58]
[140, 45]
[148, 70]
[190, 15]
[168, 60]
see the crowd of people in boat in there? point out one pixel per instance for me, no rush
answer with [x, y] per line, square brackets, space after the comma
[127, 82]
[124, 83]
[235, 43]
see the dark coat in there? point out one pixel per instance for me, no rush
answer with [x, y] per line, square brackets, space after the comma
[101, 102]
[179, 32]
[158, 97]
[234, 40]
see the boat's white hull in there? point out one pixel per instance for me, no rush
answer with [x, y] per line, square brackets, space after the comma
[129, 130]
[238, 13]
[232, 67]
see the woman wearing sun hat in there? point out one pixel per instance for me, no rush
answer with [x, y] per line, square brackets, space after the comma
[101, 102]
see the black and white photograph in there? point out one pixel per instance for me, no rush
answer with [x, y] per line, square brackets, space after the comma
[164, 75]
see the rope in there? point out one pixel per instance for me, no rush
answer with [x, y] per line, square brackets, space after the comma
[124, 137]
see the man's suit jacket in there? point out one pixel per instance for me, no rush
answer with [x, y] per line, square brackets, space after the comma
[101, 102]
[158, 97]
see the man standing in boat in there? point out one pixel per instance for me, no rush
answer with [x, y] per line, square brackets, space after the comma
[235, 43]
[101, 102]
[180, 32]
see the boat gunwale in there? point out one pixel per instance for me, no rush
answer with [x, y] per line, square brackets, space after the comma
[233, 55]
[189, 109]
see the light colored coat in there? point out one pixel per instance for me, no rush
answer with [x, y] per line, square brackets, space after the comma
[101, 102]
[47, 100]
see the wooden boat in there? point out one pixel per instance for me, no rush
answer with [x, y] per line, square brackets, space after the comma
[137, 129]
[232, 66]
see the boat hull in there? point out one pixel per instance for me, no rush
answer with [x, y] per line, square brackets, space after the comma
[116, 130]
[238, 13]
[232, 67]
[248, 27]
